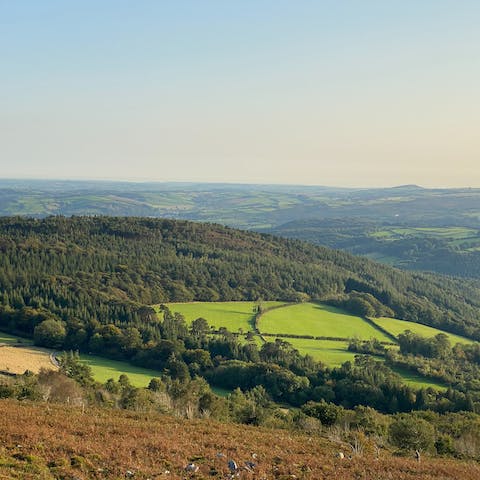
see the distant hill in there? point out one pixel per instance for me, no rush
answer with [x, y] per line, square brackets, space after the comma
[361, 221]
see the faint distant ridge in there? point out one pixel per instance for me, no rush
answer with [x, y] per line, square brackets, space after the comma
[410, 186]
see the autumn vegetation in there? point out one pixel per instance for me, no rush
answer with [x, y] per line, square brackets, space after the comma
[57, 442]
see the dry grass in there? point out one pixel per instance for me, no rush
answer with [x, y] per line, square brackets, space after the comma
[54, 442]
[19, 359]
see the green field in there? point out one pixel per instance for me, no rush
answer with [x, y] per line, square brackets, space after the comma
[231, 315]
[417, 381]
[12, 339]
[395, 327]
[334, 353]
[454, 235]
[103, 369]
[318, 320]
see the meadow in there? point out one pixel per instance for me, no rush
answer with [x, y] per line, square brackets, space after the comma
[330, 352]
[313, 319]
[318, 320]
[231, 315]
[104, 369]
[395, 327]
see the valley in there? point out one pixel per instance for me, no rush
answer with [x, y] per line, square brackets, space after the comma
[201, 321]
[406, 226]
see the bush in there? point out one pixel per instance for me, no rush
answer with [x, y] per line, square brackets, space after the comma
[327, 413]
[409, 432]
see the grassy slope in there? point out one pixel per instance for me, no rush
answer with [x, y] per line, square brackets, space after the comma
[12, 339]
[317, 320]
[395, 327]
[104, 444]
[103, 369]
[232, 315]
[417, 381]
[330, 352]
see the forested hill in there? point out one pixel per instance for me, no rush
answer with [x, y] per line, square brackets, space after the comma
[99, 270]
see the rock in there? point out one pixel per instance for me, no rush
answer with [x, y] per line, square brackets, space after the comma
[232, 465]
[340, 455]
[192, 468]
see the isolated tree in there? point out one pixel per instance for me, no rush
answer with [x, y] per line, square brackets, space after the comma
[199, 327]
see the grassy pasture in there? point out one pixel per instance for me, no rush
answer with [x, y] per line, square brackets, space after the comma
[330, 352]
[104, 368]
[231, 315]
[417, 381]
[395, 327]
[318, 320]
[455, 235]
[12, 339]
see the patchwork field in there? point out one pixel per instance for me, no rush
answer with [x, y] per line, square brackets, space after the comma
[313, 319]
[231, 315]
[18, 359]
[300, 319]
[449, 233]
[318, 320]
[395, 327]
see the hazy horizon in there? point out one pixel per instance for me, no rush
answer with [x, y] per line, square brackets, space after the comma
[273, 184]
[344, 94]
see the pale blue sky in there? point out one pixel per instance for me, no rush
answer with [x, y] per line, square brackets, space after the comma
[347, 93]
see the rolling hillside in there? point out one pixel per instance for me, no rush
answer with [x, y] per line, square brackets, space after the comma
[326, 330]
[111, 269]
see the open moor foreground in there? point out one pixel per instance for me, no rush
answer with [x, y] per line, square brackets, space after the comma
[43, 443]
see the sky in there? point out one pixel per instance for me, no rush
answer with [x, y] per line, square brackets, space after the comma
[341, 93]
